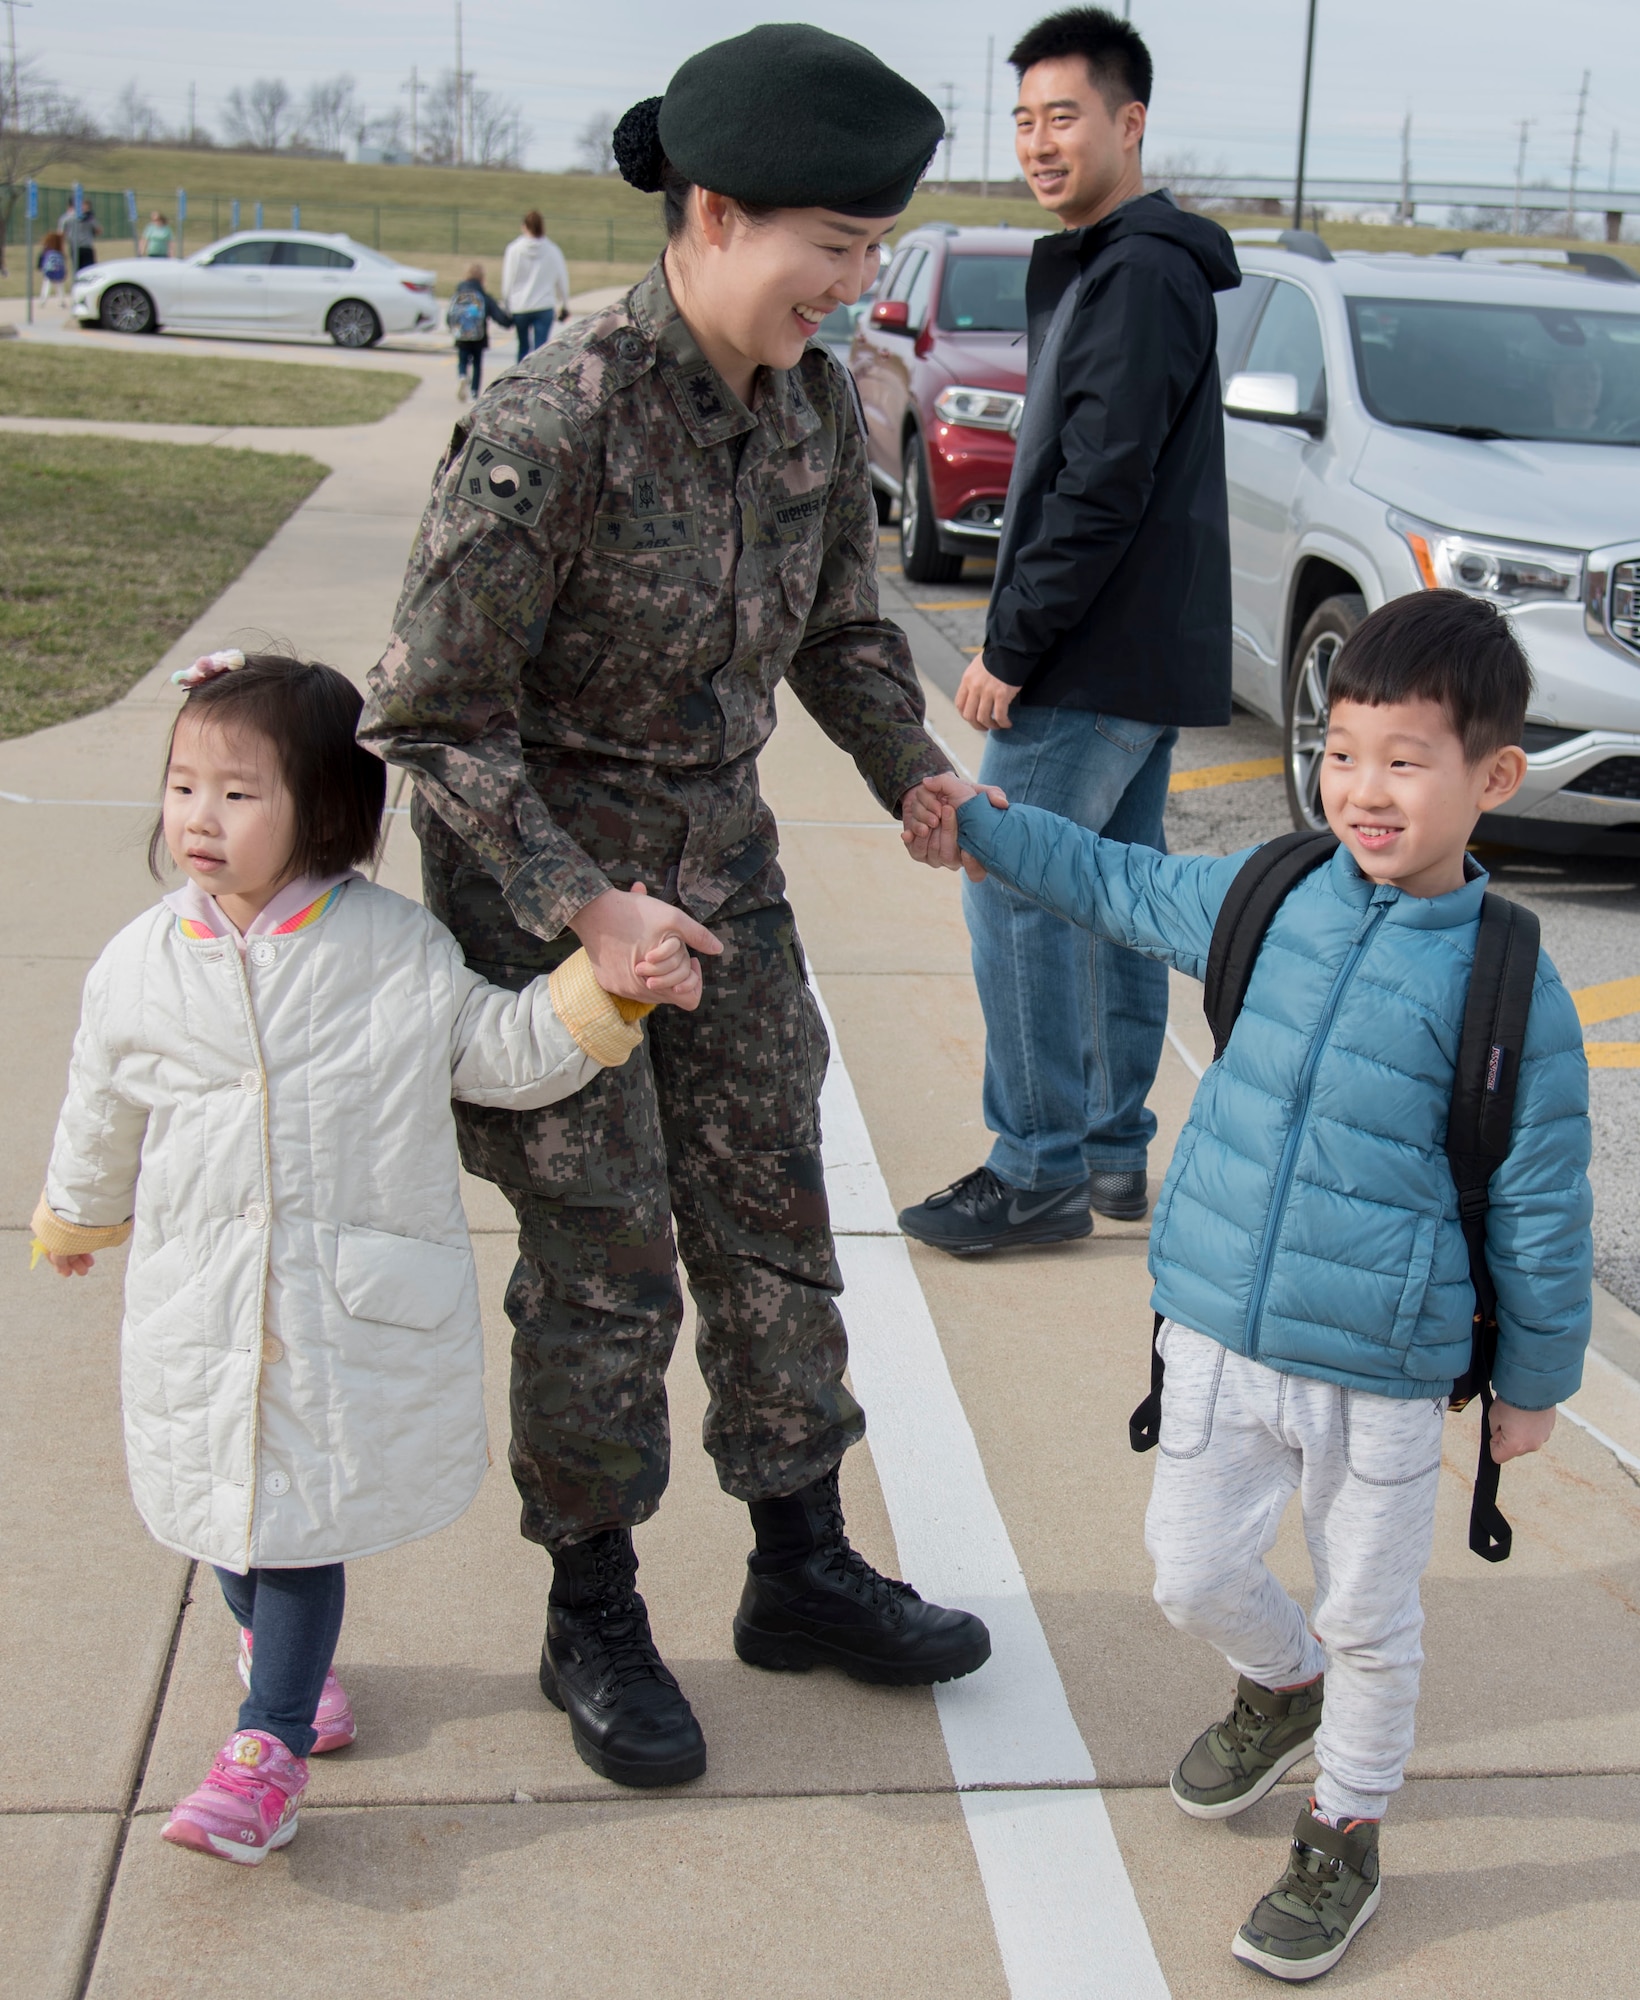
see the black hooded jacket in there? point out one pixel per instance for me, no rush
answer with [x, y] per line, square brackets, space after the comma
[1113, 574]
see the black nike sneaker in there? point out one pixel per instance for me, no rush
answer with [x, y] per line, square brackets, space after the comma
[628, 1718]
[980, 1213]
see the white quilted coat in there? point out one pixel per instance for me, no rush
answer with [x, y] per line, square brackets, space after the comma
[301, 1353]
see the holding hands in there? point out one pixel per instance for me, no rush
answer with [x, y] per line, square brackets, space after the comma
[928, 818]
[642, 948]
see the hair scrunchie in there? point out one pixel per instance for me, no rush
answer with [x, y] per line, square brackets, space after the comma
[207, 667]
[636, 144]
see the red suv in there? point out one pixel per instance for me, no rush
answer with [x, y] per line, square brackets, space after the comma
[940, 364]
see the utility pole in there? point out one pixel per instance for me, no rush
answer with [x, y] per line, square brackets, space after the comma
[1304, 119]
[11, 7]
[1520, 175]
[1577, 157]
[415, 88]
[460, 80]
[985, 149]
[1406, 169]
[192, 122]
[950, 90]
[1611, 169]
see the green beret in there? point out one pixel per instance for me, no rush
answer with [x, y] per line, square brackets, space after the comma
[786, 116]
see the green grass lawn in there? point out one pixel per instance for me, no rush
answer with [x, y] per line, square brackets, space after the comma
[40, 381]
[109, 551]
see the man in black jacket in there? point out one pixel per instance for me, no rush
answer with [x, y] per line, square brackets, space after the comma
[1108, 630]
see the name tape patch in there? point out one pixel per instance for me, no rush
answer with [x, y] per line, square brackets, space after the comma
[503, 481]
[652, 531]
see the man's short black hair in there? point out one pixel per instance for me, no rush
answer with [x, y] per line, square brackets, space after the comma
[308, 714]
[1114, 52]
[1443, 646]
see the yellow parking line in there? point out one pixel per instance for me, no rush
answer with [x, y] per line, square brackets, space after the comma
[1613, 1055]
[1224, 774]
[1609, 1001]
[956, 604]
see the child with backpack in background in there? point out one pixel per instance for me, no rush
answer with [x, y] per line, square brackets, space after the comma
[468, 317]
[1317, 1299]
[260, 1101]
[53, 263]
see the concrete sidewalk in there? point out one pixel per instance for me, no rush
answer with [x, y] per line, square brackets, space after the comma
[845, 1840]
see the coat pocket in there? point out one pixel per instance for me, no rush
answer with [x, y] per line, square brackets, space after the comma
[1419, 1262]
[399, 1280]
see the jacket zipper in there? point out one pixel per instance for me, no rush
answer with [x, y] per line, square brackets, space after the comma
[267, 1245]
[1301, 1111]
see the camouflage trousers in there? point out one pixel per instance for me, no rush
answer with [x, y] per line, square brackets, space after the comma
[711, 1127]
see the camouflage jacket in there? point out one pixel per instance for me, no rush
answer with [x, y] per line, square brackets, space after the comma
[619, 563]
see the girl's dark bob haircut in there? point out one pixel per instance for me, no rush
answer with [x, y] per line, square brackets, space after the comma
[308, 715]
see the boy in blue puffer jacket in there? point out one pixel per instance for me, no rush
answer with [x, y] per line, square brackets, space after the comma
[1306, 1246]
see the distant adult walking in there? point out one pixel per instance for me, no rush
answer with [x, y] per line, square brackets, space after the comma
[158, 237]
[80, 229]
[534, 284]
[1109, 629]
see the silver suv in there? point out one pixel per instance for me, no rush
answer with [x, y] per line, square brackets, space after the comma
[1397, 422]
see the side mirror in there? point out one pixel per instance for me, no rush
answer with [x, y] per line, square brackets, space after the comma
[1270, 399]
[892, 315]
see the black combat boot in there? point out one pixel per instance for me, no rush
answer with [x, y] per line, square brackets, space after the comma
[629, 1719]
[810, 1600]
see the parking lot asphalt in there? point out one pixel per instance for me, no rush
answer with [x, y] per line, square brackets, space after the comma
[1589, 907]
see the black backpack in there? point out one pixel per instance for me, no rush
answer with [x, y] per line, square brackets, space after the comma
[1478, 1127]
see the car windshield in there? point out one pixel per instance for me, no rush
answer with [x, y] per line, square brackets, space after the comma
[984, 295]
[1479, 370]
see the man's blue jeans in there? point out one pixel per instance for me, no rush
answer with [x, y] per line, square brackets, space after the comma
[534, 330]
[1073, 1025]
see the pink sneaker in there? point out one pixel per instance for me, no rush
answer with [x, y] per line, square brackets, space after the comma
[248, 1803]
[333, 1718]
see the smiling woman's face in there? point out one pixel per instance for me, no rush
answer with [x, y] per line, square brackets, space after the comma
[753, 291]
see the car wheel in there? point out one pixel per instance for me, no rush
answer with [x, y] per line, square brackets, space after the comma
[921, 557]
[1304, 712]
[353, 324]
[127, 309]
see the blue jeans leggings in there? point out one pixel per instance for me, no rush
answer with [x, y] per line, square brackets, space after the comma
[295, 1618]
[470, 363]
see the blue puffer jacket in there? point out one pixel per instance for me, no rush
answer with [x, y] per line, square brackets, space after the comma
[1309, 1217]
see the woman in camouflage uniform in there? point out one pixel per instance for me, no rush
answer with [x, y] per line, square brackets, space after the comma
[632, 539]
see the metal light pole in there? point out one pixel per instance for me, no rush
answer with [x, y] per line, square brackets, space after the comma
[11, 7]
[1304, 119]
[1526, 125]
[1577, 157]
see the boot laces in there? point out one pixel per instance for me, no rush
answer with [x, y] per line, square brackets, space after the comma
[1243, 1724]
[1311, 1875]
[970, 1192]
[845, 1564]
[622, 1628]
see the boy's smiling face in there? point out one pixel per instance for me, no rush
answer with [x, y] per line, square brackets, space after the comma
[1400, 793]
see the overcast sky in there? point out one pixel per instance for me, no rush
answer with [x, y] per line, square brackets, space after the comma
[1227, 74]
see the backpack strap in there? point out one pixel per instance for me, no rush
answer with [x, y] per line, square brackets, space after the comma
[1261, 887]
[1478, 1134]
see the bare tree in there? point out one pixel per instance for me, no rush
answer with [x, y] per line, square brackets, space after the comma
[330, 113]
[135, 119]
[260, 116]
[1191, 184]
[593, 148]
[39, 125]
[490, 132]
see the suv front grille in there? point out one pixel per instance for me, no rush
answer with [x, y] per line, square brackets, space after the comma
[1617, 778]
[1623, 616]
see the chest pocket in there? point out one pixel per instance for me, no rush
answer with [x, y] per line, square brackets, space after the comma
[800, 576]
[628, 626]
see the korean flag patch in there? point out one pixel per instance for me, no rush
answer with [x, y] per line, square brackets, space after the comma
[503, 480]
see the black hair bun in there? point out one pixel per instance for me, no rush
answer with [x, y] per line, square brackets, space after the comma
[636, 144]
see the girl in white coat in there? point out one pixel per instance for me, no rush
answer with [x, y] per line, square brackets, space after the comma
[259, 1099]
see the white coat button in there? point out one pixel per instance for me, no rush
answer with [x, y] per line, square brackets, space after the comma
[273, 1348]
[250, 1081]
[277, 1484]
[263, 953]
[256, 1215]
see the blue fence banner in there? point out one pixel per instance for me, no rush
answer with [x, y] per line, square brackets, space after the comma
[295, 215]
[259, 215]
[79, 194]
[131, 206]
[182, 204]
[233, 218]
[34, 201]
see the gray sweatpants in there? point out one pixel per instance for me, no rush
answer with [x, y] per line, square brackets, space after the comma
[1238, 1439]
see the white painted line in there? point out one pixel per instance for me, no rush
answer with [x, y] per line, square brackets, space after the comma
[1184, 1054]
[1623, 1457]
[1067, 1922]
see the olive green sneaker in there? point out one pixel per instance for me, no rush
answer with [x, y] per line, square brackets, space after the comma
[1232, 1765]
[1305, 1925]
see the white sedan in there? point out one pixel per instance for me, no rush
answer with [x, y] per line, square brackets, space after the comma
[261, 282]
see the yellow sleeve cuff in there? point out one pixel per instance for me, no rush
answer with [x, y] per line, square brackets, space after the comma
[604, 1027]
[67, 1239]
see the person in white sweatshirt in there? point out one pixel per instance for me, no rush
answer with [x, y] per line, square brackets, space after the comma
[260, 1101]
[534, 284]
